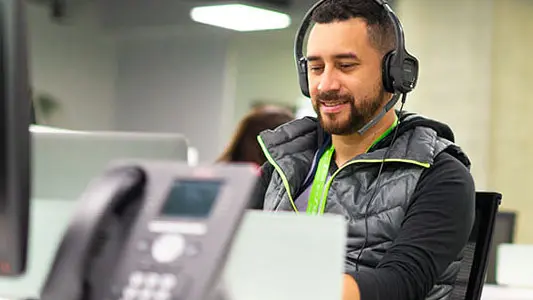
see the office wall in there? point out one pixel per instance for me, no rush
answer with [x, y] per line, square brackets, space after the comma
[512, 107]
[202, 84]
[475, 74]
[74, 62]
[169, 84]
[264, 69]
[171, 73]
[452, 40]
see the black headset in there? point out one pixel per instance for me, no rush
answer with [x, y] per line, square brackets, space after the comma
[400, 69]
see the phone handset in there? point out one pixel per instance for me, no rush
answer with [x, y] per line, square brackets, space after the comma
[109, 195]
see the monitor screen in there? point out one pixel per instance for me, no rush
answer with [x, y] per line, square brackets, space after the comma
[503, 234]
[14, 139]
[191, 198]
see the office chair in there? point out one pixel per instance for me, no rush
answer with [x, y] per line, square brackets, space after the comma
[471, 277]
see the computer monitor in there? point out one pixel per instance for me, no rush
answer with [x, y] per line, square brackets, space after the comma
[15, 139]
[503, 234]
[65, 161]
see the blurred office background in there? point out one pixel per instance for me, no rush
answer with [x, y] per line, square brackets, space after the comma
[144, 65]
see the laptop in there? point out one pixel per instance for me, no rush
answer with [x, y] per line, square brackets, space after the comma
[284, 256]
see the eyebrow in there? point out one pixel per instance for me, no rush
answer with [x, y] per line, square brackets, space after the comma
[348, 55]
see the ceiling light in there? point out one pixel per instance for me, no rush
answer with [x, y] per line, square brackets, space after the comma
[240, 17]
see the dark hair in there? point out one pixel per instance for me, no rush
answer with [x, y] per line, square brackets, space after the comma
[379, 26]
[243, 146]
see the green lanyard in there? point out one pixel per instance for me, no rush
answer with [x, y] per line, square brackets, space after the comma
[317, 197]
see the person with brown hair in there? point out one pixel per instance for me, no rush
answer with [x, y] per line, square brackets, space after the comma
[243, 146]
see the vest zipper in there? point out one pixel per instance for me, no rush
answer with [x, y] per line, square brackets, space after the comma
[352, 162]
[280, 172]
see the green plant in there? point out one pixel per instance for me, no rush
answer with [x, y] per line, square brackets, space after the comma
[46, 106]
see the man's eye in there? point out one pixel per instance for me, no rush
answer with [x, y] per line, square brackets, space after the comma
[346, 65]
[315, 68]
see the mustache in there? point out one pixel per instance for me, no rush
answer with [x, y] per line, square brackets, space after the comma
[334, 96]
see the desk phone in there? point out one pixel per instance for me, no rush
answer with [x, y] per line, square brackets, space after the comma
[151, 231]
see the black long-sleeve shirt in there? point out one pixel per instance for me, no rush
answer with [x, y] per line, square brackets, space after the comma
[435, 229]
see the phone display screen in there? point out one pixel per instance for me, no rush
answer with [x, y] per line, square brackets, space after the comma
[191, 198]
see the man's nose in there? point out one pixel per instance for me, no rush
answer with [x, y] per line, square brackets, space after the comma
[328, 82]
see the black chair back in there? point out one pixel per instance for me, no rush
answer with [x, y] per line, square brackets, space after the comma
[471, 277]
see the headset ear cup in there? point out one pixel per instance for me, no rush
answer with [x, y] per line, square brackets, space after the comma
[387, 76]
[302, 77]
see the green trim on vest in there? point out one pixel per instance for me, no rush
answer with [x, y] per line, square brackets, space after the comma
[279, 170]
[386, 160]
[384, 134]
[352, 162]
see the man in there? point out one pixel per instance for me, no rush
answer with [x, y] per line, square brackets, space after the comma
[408, 217]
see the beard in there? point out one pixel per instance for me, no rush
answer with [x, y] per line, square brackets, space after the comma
[347, 122]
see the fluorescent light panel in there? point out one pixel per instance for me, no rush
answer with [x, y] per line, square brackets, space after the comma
[240, 17]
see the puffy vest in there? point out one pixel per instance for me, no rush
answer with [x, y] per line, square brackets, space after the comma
[291, 149]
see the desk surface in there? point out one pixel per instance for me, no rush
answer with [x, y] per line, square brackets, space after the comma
[490, 292]
[496, 292]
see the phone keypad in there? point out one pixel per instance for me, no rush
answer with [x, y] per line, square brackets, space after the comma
[149, 286]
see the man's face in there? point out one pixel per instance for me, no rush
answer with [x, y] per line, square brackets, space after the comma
[344, 75]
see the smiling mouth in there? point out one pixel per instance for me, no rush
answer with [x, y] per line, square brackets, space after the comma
[332, 103]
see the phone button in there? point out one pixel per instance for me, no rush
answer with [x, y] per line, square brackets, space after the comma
[129, 293]
[152, 280]
[166, 248]
[162, 295]
[168, 281]
[136, 279]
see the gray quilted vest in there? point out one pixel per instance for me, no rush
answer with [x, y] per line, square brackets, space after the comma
[291, 149]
